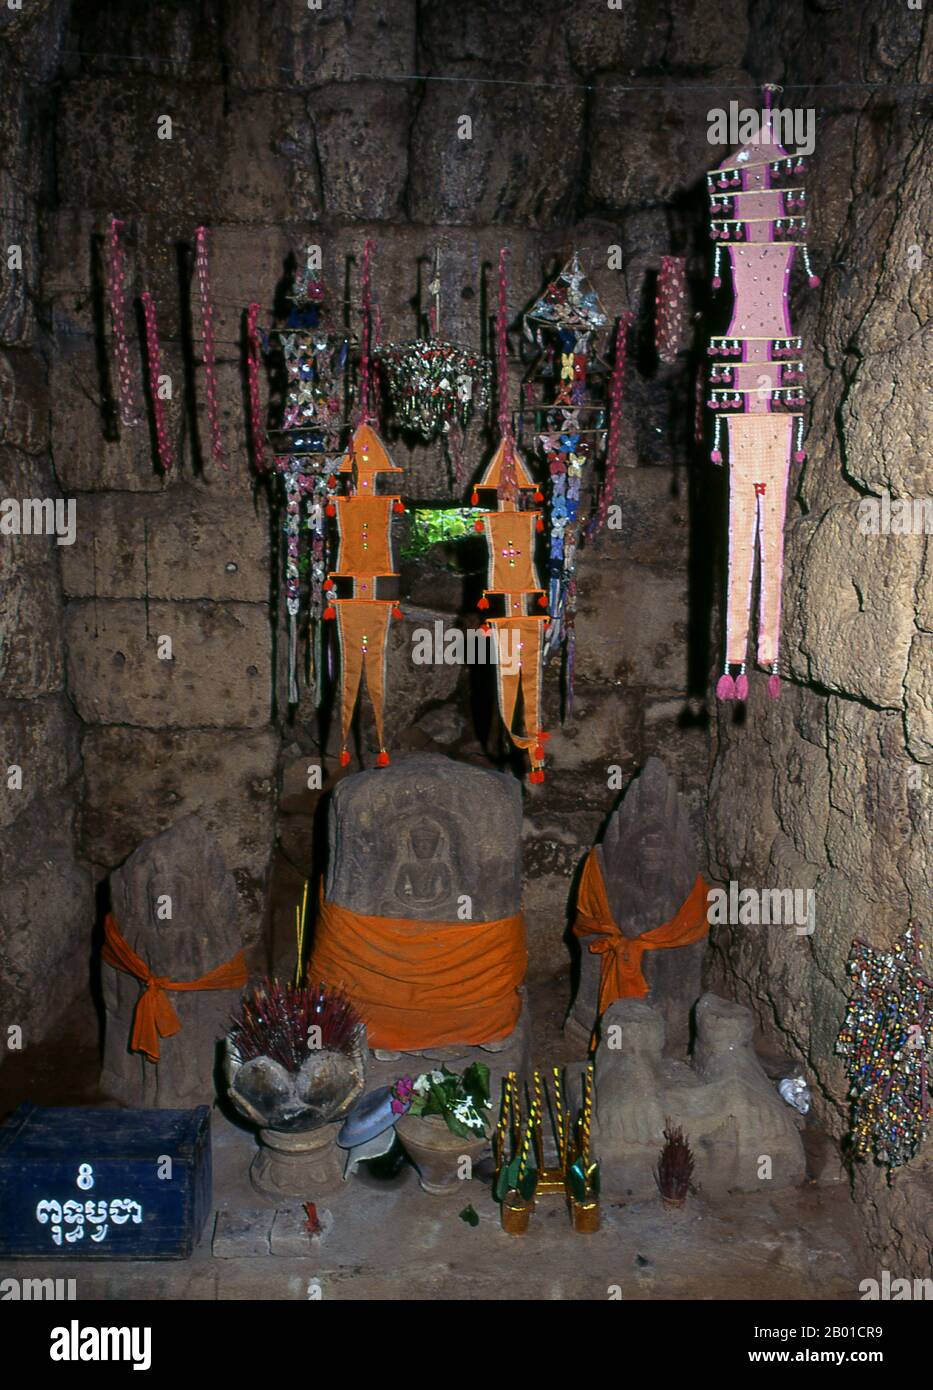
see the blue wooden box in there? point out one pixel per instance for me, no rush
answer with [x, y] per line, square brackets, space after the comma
[104, 1184]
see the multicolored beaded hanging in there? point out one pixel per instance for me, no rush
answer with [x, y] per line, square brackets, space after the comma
[888, 1046]
[435, 387]
[307, 452]
[570, 430]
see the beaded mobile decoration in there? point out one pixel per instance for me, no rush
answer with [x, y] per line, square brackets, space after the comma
[434, 385]
[363, 587]
[758, 206]
[570, 429]
[886, 1042]
[306, 451]
[513, 598]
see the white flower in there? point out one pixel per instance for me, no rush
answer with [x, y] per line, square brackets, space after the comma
[421, 1084]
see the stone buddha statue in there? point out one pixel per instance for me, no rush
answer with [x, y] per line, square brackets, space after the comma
[649, 863]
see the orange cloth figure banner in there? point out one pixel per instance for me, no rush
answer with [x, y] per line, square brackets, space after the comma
[758, 212]
[363, 589]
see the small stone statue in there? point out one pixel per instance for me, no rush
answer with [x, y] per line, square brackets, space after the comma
[175, 906]
[730, 1111]
[649, 862]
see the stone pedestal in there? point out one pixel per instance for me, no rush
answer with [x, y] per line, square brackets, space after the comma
[299, 1164]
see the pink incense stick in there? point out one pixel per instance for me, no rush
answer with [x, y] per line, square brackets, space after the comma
[210, 353]
[154, 361]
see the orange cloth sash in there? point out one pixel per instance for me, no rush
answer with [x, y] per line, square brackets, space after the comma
[621, 975]
[423, 984]
[155, 1014]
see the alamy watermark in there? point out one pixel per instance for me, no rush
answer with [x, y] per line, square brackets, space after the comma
[743, 125]
[39, 516]
[452, 646]
[762, 907]
[885, 515]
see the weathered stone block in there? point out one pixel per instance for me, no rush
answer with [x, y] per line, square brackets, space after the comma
[650, 607]
[519, 162]
[919, 696]
[139, 782]
[24, 402]
[40, 738]
[31, 657]
[181, 544]
[219, 674]
[362, 144]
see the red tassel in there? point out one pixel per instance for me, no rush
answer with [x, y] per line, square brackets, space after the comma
[383, 759]
[474, 500]
[330, 613]
[344, 758]
[396, 611]
[537, 775]
[478, 525]
[539, 525]
[330, 509]
[542, 601]
[328, 585]
[539, 754]
[484, 627]
[539, 495]
[398, 506]
[483, 603]
[542, 736]
[332, 481]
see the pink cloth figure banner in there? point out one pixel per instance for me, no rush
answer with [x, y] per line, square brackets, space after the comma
[758, 221]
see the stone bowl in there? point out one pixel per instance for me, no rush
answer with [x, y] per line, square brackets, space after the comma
[435, 1150]
[324, 1087]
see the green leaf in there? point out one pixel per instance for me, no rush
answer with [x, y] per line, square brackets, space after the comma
[502, 1184]
[528, 1182]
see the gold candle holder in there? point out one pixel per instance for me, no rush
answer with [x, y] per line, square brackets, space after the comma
[585, 1215]
[516, 1213]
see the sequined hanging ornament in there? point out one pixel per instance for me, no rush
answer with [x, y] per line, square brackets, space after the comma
[435, 387]
[570, 433]
[887, 1044]
[757, 210]
[307, 448]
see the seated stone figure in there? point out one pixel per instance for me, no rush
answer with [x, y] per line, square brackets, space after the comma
[648, 863]
[420, 919]
[730, 1112]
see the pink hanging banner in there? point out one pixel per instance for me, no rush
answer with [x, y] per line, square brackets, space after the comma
[210, 354]
[154, 361]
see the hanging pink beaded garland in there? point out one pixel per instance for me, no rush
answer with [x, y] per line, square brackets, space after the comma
[670, 317]
[209, 350]
[757, 203]
[154, 362]
[116, 281]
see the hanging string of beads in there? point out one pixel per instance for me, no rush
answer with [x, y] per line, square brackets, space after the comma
[154, 362]
[367, 416]
[613, 438]
[116, 278]
[252, 373]
[209, 355]
[507, 485]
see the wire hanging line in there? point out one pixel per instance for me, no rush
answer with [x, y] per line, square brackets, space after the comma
[544, 85]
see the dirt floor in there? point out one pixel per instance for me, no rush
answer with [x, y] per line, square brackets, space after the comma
[390, 1240]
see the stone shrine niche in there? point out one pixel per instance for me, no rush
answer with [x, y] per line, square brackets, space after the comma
[649, 861]
[185, 865]
[410, 840]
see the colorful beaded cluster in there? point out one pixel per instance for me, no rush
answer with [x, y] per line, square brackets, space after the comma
[887, 1045]
[434, 385]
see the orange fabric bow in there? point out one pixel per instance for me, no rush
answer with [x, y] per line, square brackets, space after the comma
[621, 975]
[155, 1014]
[423, 984]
